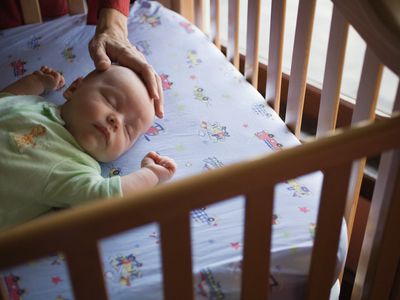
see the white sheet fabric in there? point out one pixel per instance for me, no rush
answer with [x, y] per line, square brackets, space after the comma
[213, 117]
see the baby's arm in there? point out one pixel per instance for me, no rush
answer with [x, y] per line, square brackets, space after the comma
[155, 169]
[46, 79]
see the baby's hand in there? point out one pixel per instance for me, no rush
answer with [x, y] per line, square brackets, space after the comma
[51, 79]
[162, 166]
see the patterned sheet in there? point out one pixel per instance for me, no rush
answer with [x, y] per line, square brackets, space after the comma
[213, 117]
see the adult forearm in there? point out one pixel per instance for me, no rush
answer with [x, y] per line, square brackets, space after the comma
[112, 19]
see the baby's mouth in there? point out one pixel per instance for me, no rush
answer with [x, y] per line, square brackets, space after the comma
[104, 131]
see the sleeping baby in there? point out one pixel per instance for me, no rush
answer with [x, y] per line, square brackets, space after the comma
[49, 154]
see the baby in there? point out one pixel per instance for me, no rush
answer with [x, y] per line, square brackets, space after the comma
[49, 154]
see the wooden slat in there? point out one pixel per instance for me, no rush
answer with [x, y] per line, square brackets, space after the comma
[215, 28]
[367, 96]
[395, 294]
[76, 7]
[233, 32]
[380, 253]
[257, 243]
[3, 292]
[31, 11]
[330, 94]
[199, 15]
[375, 28]
[276, 37]
[396, 106]
[298, 70]
[177, 258]
[252, 41]
[327, 234]
[86, 271]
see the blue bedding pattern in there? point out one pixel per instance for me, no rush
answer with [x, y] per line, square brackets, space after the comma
[213, 117]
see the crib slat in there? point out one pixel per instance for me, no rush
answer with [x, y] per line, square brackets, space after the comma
[177, 258]
[380, 257]
[86, 272]
[327, 233]
[233, 32]
[330, 95]
[257, 243]
[76, 7]
[367, 96]
[274, 74]
[215, 29]
[199, 14]
[31, 11]
[298, 71]
[252, 41]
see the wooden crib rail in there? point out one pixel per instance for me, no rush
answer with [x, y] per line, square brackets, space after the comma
[31, 9]
[76, 232]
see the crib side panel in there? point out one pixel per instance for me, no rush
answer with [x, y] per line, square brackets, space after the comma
[31, 11]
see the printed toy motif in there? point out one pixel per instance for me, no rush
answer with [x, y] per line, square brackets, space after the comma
[268, 139]
[275, 219]
[311, 229]
[18, 67]
[58, 259]
[187, 26]
[144, 47]
[155, 236]
[212, 163]
[34, 43]
[152, 20]
[28, 140]
[13, 288]
[154, 130]
[214, 131]
[128, 267]
[199, 95]
[145, 17]
[200, 216]
[68, 54]
[298, 189]
[208, 286]
[166, 84]
[192, 59]
[261, 110]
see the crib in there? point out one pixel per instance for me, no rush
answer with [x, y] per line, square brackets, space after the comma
[340, 154]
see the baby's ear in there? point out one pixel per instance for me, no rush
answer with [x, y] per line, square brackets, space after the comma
[72, 88]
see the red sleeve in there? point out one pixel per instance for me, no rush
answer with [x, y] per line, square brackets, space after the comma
[10, 14]
[94, 7]
[53, 8]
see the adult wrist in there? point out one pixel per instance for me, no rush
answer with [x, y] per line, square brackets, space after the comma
[112, 19]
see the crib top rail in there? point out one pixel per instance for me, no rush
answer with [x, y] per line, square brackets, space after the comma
[31, 9]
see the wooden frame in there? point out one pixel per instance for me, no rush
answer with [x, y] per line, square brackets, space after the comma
[339, 154]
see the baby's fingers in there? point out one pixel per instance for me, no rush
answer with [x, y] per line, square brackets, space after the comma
[167, 163]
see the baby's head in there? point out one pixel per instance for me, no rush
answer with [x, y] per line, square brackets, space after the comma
[107, 111]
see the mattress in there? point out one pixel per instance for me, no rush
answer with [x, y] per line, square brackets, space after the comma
[213, 117]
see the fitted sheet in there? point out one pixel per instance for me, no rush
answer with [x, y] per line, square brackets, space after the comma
[213, 117]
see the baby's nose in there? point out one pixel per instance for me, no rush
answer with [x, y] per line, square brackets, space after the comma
[114, 122]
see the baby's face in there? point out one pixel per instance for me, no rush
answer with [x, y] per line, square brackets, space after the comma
[108, 112]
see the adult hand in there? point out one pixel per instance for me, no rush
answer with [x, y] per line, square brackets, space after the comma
[110, 43]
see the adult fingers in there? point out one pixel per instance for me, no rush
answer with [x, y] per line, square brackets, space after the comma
[98, 54]
[159, 103]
